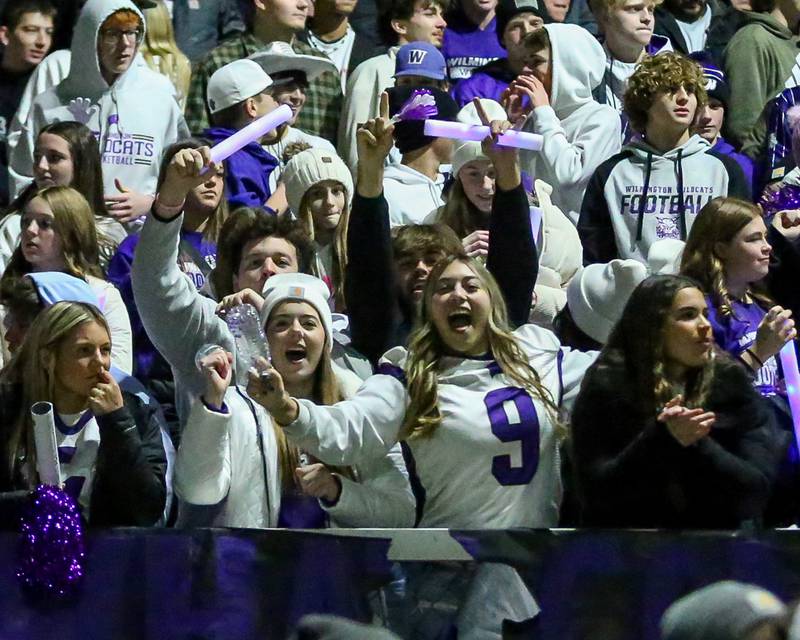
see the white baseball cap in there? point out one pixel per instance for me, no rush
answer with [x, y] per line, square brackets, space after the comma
[234, 83]
[279, 56]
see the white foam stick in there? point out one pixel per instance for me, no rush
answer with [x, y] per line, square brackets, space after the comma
[253, 131]
[792, 377]
[44, 436]
[477, 132]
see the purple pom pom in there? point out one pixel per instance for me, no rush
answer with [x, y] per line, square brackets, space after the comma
[420, 106]
[785, 199]
[51, 550]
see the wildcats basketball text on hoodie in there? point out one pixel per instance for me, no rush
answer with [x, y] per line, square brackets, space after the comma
[134, 118]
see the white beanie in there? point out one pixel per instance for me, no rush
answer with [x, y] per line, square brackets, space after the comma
[471, 149]
[599, 292]
[310, 167]
[298, 287]
[234, 83]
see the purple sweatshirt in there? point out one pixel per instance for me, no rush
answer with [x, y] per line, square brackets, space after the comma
[465, 47]
[147, 361]
[737, 332]
[488, 81]
[748, 166]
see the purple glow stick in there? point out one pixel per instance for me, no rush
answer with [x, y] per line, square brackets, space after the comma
[251, 132]
[477, 132]
[792, 378]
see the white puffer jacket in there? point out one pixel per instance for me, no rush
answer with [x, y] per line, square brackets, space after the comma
[220, 463]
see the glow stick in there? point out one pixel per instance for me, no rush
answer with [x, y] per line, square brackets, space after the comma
[251, 132]
[792, 377]
[536, 223]
[44, 437]
[477, 132]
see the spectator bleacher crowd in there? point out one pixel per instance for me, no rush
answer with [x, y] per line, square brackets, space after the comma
[453, 334]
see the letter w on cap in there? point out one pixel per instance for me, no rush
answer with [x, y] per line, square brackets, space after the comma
[416, 56]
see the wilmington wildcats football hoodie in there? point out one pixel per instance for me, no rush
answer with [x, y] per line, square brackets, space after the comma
[642, 195]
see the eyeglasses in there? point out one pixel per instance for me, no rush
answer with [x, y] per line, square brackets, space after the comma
[113, 36]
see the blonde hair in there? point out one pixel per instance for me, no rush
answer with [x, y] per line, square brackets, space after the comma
[337, 274]
[425, 349]
[32, 372]
[718, 222]
[74, 223]
[161, 52]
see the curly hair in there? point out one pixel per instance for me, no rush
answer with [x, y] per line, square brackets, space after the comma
[718, 222]
[663, 73]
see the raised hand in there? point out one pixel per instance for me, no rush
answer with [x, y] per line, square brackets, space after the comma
[374, 137]
[245, 296]
[217, 367]
[187, 169]
[504, 159]
[476, 244]
[265, 386]
[531, 86]
[105, 396]
[775, 330]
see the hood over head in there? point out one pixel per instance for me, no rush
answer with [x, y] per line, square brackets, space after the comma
[85, 80]
[55, 286]
[577, 64]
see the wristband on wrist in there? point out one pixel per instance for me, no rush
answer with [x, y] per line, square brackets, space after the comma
[166, 210]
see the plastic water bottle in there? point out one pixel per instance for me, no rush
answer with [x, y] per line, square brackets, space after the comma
[245, 326]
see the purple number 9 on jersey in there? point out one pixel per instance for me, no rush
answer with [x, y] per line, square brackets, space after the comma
[526, 431]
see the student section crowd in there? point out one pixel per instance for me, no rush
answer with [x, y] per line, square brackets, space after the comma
[460, 333]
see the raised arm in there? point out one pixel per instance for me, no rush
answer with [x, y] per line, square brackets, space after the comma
[369, 286]
[512, 257]
[363, 427]
[176, 317]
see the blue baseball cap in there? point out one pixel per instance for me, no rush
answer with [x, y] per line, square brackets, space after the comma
[420, 59]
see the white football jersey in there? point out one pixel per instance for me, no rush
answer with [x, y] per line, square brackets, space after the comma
[78, 441]
[492, 463]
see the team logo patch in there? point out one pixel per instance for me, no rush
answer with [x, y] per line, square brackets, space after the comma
[297, 292]
[416, 56]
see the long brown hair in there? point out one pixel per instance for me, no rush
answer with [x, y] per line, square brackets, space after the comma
[637, 344]
[339, 245]
[87, 171]
[425, 349]
[31, 376]
[74, 223]
[460, 214]
[718, 222]
[326, 391]
[220, 214]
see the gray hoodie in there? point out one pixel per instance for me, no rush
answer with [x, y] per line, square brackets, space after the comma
[134, 119]
[642, 195]
[579, 133]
